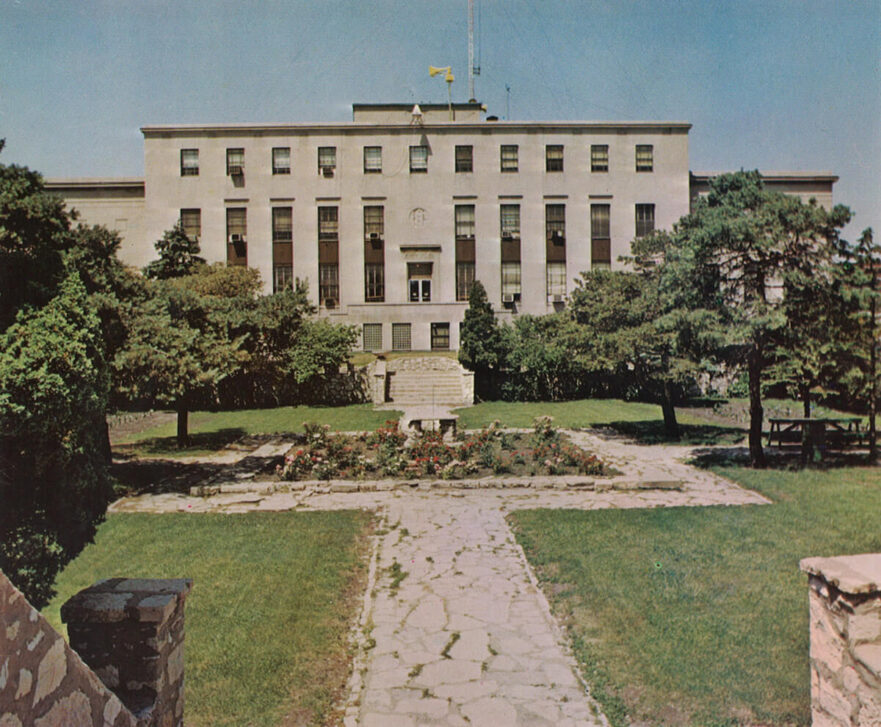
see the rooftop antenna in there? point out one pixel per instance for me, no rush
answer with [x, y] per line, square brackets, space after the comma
[473, 70]
[507, 102]
[433, 71]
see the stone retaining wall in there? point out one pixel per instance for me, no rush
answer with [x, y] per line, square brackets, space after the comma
[845, 607]
[124, 667]
[43, 682]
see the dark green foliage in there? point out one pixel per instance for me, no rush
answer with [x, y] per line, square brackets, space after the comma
[60, 296]
[481, 347]
[209, 340]
[728, 265]
[53, 480]
[178, 255]
[34, 233]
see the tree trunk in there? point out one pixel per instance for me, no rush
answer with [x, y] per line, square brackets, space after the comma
[873, 364]
[105, 441]
[183, 436]
[671, 427]
[756, 413]
[807, 440]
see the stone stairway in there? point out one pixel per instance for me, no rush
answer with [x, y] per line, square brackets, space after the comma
[429, 381]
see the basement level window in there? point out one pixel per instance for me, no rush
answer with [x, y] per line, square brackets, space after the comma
[400, 336]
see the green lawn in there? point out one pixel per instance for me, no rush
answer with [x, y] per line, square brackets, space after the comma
[267, 620]
[210, 431]
[636, 419]
[699, 615]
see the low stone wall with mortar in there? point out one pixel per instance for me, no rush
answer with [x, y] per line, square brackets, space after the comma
[845, 608]
[43, 682]
[124, 666]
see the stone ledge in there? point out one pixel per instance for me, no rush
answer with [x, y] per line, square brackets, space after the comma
[118, 599]
[856, 574]
[544, 482]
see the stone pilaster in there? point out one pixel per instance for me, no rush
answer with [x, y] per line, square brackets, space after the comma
[845, 608]
[131, 633]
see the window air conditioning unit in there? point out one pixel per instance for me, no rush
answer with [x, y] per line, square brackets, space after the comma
[559, 298]
[508, 298]
[327, 171]
[507, 236]
[236, 238]
[330, 302]
[236, 171]
[374, 237]
[557, 238]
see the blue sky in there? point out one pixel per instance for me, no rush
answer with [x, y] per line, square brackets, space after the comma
[772, 85]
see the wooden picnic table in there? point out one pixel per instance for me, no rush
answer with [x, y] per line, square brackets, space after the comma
[819, 432]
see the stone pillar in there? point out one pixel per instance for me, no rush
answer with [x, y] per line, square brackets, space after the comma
[131, 633]
[845, 607]
[378, 386]
[467, 386]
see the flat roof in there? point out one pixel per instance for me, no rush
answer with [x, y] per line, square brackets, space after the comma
[94, 182]
[778, 176]
[280, 128]
[397, 106]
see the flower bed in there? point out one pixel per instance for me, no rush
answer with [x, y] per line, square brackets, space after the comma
[388, 453]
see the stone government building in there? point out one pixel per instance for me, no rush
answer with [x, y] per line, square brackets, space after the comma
[391, 217]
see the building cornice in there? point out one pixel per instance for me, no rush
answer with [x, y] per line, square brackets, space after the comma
[160, 130]
[775, 176]
[55, 184]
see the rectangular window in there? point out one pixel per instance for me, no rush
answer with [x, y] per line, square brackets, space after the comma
[509, 157]
[374, 224]
[326, 160]
[509, 221]
[511, 281]
[400, 336]
[418, 159]
[556, 281]
[465, 252]
[374, 253]
[600, 237]
[282, 277]
[464, 158]
[644, 158]
[555, 224]
[328, 224]
[510, 253]
[419, 282]
[555, 233]
[235, 162]
[464, 278]
[281, 160]
[328, 256]
[282, 224]
[191, 222]
[372, 159]
[328, 284]
[236, 236]
[440, 336]
[464, 221]
[189, 162]
[554, 158]
[645, 219]
[371, 336]
[374, 282]
[599, 158]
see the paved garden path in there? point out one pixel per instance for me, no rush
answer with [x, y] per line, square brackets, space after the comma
[454, 630]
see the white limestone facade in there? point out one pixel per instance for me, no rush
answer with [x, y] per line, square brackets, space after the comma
[389, 217]
[403, 176]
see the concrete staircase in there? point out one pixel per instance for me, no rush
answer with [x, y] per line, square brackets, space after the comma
[429, 381]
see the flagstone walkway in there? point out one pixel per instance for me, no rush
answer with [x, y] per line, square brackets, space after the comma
[454, 630]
